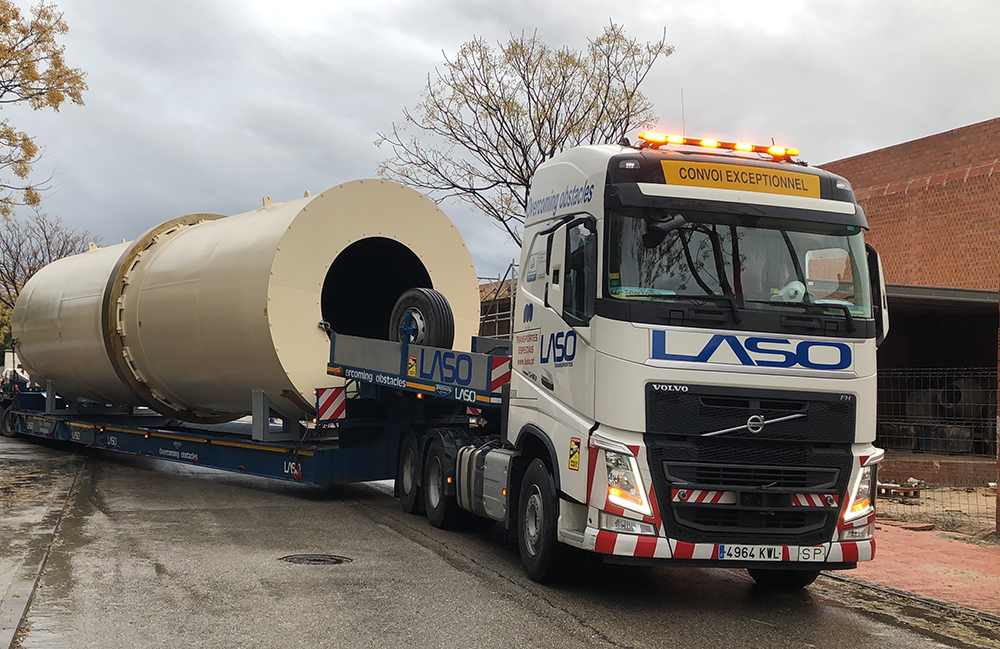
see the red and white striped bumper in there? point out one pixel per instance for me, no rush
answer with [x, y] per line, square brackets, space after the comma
[654, 547]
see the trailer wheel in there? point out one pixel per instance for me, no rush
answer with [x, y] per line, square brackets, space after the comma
[7, 423]
[410, 496]
[541, 554]
[783, 579]
[431, 314]
[442, 509]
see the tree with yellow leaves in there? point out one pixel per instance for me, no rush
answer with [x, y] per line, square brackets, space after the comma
[490, 117]
[33, 71]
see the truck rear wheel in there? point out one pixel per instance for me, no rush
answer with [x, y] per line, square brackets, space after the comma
[442, 509]
[541, 554]
[431, 315]
[6, 422]
[410, 496]
[783, 579]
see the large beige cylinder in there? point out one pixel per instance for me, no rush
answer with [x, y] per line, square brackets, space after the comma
[200, 311]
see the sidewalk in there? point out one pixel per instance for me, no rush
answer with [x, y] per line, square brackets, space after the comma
[34, 484]
[936, 565]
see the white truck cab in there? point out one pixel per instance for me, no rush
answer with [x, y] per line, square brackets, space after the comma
[694, 359]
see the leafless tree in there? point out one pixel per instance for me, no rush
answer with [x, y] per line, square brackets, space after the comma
[27, 244]
[490, 117]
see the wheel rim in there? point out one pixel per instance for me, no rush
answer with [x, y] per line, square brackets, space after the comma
[419, 323]
[533, 520]
[434, 482]
[408, 471]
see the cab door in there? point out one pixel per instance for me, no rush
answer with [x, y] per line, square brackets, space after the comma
[566, 357]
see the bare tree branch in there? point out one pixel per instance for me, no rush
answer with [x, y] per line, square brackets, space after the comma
[26, 245]
[489, 117]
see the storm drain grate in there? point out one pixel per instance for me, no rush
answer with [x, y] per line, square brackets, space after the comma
[315, 559]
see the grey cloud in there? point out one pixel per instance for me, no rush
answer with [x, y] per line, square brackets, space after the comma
[204, 106]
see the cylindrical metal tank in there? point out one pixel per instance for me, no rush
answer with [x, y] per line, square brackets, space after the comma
[202, 310]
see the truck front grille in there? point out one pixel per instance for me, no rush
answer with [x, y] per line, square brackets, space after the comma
[763, 497]
[732, 475]
[760, 473]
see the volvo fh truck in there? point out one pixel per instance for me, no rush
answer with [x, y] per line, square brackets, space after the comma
[690, 381]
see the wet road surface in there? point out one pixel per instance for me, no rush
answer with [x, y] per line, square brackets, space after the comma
[155, 554]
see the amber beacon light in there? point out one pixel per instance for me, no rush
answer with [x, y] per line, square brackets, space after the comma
[656, 140]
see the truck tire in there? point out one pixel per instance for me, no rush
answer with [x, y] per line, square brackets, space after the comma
[408, 474]
[542, 555]
[432, 317]
[6, 423]
[442, 509]
[783, 579]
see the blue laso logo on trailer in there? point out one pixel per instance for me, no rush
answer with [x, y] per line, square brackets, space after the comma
[762, 352]
[445, 367]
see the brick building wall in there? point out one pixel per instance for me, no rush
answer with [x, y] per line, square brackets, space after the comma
[933, 206]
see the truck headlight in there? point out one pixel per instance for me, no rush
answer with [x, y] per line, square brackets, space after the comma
[625, 487]
[862, 502]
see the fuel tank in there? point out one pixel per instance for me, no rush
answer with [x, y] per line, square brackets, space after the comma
[198, 312]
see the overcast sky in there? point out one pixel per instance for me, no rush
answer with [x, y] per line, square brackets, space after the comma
[207, 105]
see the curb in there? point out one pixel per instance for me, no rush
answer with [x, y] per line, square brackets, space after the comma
[946, 606]
[14, 606]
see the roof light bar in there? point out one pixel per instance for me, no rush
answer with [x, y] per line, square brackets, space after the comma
[655, 140]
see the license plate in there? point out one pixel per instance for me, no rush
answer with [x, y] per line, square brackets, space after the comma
[750, 552]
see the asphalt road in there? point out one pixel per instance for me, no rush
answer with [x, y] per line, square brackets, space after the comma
[155, 554]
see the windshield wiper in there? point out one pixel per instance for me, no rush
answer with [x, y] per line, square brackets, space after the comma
[807, 298]
[848, 318]
[813, 306]
[714, 297]
[727, 294]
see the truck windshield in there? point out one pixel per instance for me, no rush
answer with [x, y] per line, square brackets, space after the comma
[751, 262]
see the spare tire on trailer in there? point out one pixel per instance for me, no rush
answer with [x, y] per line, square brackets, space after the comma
[431, 317]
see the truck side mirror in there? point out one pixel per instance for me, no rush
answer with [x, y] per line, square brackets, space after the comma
[880, 306]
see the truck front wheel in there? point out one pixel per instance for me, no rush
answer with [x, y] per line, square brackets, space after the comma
[783, 579]
[410, 496]
[541, 554]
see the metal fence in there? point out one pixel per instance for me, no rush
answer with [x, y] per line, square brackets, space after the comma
[938, 427]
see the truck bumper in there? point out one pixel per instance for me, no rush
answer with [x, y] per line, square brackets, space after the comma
[825, 556]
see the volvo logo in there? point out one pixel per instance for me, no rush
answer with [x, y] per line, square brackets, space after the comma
[755, 424]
